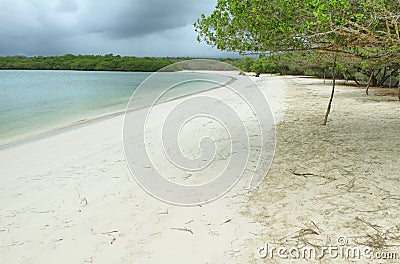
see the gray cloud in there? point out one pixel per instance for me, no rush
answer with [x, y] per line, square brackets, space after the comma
[140, 17]
[67, 6]
[126, 27]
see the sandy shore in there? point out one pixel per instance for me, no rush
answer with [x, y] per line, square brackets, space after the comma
[339, 180]
[70, 198]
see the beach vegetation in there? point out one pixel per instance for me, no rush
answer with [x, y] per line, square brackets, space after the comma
[366, 31]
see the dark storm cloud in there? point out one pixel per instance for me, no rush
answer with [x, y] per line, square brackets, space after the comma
[127, 27]
[139, 17]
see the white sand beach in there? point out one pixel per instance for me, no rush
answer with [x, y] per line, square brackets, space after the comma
[334, 181]
[70, 198]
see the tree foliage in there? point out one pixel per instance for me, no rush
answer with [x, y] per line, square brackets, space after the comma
[319, 64]
[367, 29]
[363, 28]
[108, 62]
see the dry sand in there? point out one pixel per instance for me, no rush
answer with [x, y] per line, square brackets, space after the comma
[342, 179]
[70, 198]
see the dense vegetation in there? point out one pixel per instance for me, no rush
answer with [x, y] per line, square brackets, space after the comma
[362, 28]
[363, 34]
[301, 63]
[313, 63]
[85, 63]
[107, 62]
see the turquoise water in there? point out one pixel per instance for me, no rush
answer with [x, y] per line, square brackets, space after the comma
[36, 101]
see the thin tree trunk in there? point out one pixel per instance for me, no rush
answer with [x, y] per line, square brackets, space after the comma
[386, 77]
[398, 86]
[375, 80]
[383, 79]
[324, 75]
[369, 82]
[398, 94]
[328, 110]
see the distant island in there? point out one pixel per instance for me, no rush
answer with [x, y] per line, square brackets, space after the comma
[107, 62]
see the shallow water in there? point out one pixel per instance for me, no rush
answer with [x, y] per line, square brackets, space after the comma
[36, 101]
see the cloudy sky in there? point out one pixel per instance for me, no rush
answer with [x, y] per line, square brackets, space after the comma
[125, 27]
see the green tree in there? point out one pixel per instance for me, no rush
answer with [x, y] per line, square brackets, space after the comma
[368, 29]
[365, 28]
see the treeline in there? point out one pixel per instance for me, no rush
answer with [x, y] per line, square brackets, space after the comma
[107, 62]
[378, 73]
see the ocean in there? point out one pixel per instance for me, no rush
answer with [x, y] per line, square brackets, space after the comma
[33, 102]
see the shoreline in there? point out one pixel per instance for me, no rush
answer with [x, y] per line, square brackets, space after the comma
[29, 137]
[26, 138]
[70, 197]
